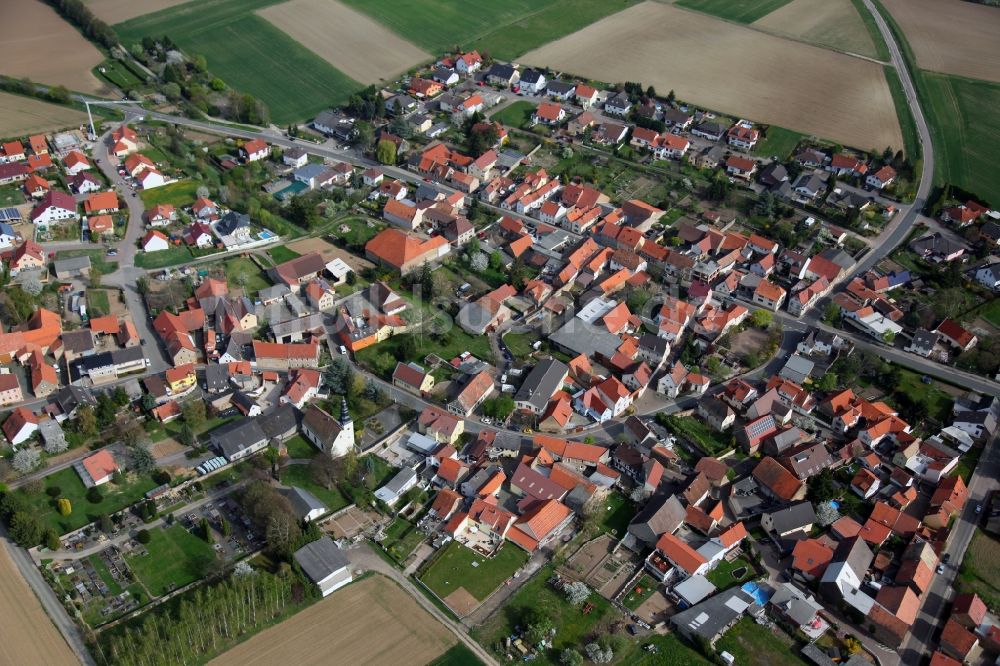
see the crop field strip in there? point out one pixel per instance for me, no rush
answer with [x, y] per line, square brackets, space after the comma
[116, 11]
[24, 115]
[741, 11]
[833, 24]
[505, 30]
[250, 54]
[657, 33]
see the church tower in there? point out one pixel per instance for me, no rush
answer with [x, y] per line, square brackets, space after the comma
[345, 438]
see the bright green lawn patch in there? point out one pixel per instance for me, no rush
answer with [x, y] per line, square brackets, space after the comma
[778, 141]
[505, 30]
[965, 126]
[458, 655]
[97, 302]
[908, 127]
[176, 557]
[293, 81]
[454, 568]
[382, 358]
[299, 475]
[614, 514]
[520, 344]
[722, 575]
[699, 433]
[356, 231]
[741, 11]
[281, 254]
[991, 312]
[517, 114]
[937, 403]
[672, 650]
[11, 196]
[642, 590]
[98, 259]
[752, 644]
[68, 481]
[299, 447]
[402, 538]
[179, 194]
[118, 74]
[242, 272]
[172, 256]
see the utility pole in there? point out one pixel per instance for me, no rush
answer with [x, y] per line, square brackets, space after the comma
[90, 117]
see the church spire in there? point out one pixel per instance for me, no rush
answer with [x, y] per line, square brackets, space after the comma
[345, 415]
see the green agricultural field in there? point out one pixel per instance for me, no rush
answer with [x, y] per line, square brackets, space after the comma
[741, 11]
[778, 141]
[176, 557]
[965, 126]
[179, 194]
[115, 498]
[459, 655]
[881, 50]
[503, 29]
[458, 566]
[517, 114]
[907, 126]
[249, 53]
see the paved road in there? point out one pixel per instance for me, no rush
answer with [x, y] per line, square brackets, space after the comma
[362, 557]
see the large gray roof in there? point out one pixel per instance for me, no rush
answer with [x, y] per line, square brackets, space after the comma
[303, 502]
[542, 383]
[321, 558]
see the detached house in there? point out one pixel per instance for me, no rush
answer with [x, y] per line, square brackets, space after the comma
[254, 150]
[55, 206]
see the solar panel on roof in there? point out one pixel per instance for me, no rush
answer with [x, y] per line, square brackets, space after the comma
[7, 214]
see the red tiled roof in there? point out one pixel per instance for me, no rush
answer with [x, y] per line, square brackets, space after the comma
[680, 553]
[776, 478]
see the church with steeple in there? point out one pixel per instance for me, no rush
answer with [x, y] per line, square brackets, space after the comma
[330, 435]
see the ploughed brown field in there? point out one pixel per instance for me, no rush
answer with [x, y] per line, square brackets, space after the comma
[352, 42]
[951, 36]
[37, 43]
[369, 622]
[29, 637]
[116, 11]
[736, 70]
[24, 115]
[834, 24]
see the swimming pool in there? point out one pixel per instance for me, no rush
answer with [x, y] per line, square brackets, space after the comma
[759, 594]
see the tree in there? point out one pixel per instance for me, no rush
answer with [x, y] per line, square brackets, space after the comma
[194, 413]
[761, 318]
[479, 262]
[338, 376]
[826, 514]
[385, 153]
[831, 313]
[186, 436]
[827, 383]
[25, 529]
[576, 592]
[143, 461]
[172, 91]
[597, 654]
[32, 285]
[64, 506]
[570, 657]
[822, 487]
[52, 539]
[889, 337]
[671, 97]
[364, 135]
[26, 460]
[205, 529]
[53, 491]
[94, 495]
[539, 628]
[496, 260]
[323, 470]
[143, 536]
[55, 445]
[499, 408]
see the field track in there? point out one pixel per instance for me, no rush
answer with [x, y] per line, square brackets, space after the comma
[951, 36]
[343, 37]
[24, 115]
[29, 637]
[736, 70]
[369, 622]
[37, 43]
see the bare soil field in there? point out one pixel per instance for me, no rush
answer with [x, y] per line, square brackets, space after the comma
[461, 602]
[116, 11]
[343, 37]
[370, 622]
[743, 72]
[29, 635]
[23, 115]
[329, 252]
[830, 23]
[46, 48]
[951, 36]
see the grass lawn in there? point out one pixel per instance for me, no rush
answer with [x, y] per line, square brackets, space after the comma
[967, 463]
[615, 513]
[936, 402]
[298, 475]
[699, 433]
[158, 431]
[381, 358]
[503, 29]
[965, 127]
[778, 141]
[517, 114]
[118, 74]
[991, 312]
[572, 626]
[176, 557]
[980, 571]
[459, 655]
[458, 566]
[908, 127]
[744, 11]
[280, 254]
[722, 575]
[97, 302]
[641, 591]
[752, 644]
[402, 538]
[293, 81]
[98, 259]
[172, 256]
[242, 268]
[84, 512]
[11, 196]
[179, 194]
[356, 230]
[671, 650]
[299, 447]
[519, 344]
